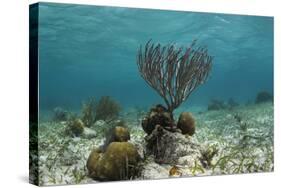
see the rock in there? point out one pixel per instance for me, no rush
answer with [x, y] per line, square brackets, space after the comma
[72, 148]
[89, 133]
[99, 123]
[118, 162]
[263, 96]
[188, 160]
[168, 147]
[153, 170]
[158, 115]
[76, 139]
[186, 123]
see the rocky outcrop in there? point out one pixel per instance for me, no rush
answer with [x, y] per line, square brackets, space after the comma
[154, 170]
[89, 133]
[169, 148]
[158, 115]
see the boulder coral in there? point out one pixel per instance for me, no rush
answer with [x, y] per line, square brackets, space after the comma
[93, 159]
[186, 123]
[121, 134]
[116, 134]
[118, 162]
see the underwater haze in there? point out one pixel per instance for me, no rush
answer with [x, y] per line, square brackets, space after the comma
[90, 51]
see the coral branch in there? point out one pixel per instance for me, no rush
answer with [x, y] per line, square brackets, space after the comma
[174, 72]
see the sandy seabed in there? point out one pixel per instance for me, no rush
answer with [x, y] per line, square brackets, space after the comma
[245, 147]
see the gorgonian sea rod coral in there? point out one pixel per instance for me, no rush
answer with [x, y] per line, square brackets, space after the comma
[174, 72]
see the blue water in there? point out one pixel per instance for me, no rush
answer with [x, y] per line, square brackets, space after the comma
[91, 51]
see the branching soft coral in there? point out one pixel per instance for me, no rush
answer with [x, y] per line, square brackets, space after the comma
[106, 109]
[174, 72]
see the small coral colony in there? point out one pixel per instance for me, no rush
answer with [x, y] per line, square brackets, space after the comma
[101, 145]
